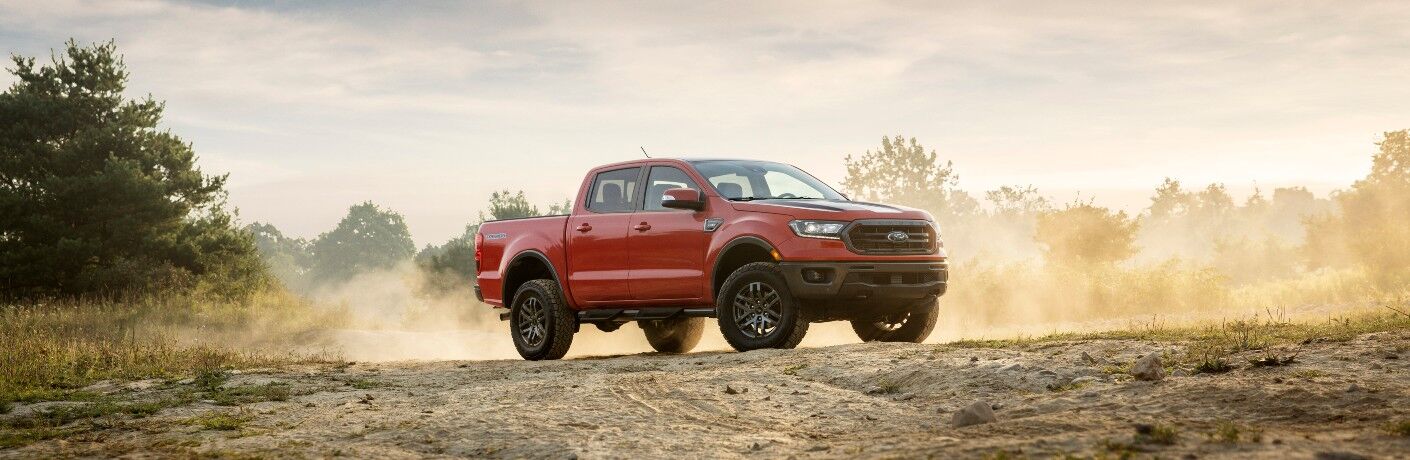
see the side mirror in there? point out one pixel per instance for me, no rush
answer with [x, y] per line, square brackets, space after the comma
[683, 198]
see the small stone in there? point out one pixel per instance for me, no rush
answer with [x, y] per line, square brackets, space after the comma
[1179, 373]
[872, 390]
[1148, 368]
[978, 413]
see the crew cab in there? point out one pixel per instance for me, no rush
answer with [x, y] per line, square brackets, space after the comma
[762, 246]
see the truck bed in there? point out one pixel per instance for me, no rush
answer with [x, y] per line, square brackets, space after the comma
[503, 239]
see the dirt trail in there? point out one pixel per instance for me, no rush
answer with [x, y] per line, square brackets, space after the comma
[862, 400]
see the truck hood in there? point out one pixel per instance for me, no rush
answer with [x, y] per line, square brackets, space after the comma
[831, 209]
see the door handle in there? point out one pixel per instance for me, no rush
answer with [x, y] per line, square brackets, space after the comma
[642, 227]
[584, 228]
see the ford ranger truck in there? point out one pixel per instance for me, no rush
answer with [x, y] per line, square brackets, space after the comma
[763, 247]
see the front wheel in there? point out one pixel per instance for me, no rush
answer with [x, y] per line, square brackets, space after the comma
[678, 335]
[540, 321]
[910, 325]
[756, 310]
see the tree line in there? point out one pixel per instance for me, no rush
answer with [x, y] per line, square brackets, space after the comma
[96, 199]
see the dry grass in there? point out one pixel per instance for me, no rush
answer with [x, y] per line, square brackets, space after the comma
[48, 350]
[1211, 343]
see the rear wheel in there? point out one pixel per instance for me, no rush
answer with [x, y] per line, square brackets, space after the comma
[540, 321]
[756, 310]
[678, 335]
[913, 324]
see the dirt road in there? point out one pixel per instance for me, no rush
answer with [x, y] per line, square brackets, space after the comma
[863, 400]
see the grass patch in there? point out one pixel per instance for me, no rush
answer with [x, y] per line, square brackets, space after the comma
[57, 422]
[365, 384]
[1256, 333]
[1160, 434]
[1069, 386]
[1232, 433]
[11, 438]
[1399, 428]
[250, 394]
[220, 421]
[50, 349]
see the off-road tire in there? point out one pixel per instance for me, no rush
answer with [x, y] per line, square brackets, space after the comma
[792, 324]
[917, 323]
[678, 335]
[559, 321]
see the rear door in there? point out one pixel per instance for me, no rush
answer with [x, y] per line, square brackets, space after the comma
[667, 245]
[597, 238]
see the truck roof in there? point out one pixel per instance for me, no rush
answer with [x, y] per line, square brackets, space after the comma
[683, 160]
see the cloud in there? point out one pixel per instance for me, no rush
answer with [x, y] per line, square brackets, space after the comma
[395, 102]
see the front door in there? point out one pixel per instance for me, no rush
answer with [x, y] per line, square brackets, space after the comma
[597, 239]
[667, 245]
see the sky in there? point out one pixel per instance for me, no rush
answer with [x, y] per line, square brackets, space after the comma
[427, 107]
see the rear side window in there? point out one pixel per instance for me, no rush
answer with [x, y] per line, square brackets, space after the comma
[664, 178]
[614, 191]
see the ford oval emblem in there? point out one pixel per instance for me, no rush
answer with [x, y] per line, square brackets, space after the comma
[897, 237]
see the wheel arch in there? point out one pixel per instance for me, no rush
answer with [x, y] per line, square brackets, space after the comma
[527, 265]
[737, 253]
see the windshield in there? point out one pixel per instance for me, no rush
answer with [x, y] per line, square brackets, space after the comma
[740, 180]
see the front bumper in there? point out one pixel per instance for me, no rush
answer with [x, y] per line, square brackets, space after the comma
[866, 280]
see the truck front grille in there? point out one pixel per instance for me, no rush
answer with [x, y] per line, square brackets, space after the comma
[874, 237]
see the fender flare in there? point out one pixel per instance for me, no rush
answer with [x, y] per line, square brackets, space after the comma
[520, 257]
[737, 241]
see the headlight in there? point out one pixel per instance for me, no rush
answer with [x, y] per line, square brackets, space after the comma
[818, 228]
[939, 242]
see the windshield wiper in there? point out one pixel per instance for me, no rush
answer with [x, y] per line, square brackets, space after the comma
[752, 198]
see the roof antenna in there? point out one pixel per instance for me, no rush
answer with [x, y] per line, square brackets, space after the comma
[643, 152]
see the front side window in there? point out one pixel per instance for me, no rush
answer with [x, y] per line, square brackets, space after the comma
[661, 179]
[763, 180]
[614, 191]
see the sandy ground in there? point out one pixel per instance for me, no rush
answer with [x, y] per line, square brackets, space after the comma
[859, 400]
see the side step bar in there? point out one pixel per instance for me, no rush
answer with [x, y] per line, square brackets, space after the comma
[624, 315]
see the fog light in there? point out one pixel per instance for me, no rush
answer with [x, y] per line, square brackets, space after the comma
[816, 275]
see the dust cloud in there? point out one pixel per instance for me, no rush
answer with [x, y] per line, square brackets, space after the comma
[1024, 266]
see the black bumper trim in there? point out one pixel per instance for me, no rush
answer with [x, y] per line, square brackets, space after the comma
[868, 280]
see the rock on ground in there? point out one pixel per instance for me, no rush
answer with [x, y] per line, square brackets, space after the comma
[1148, 368]
[978, 413]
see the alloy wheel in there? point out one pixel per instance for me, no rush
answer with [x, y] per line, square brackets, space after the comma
[758, 310]
[533, 323]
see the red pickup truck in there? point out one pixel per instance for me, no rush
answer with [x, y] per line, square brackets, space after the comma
[764, 247]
